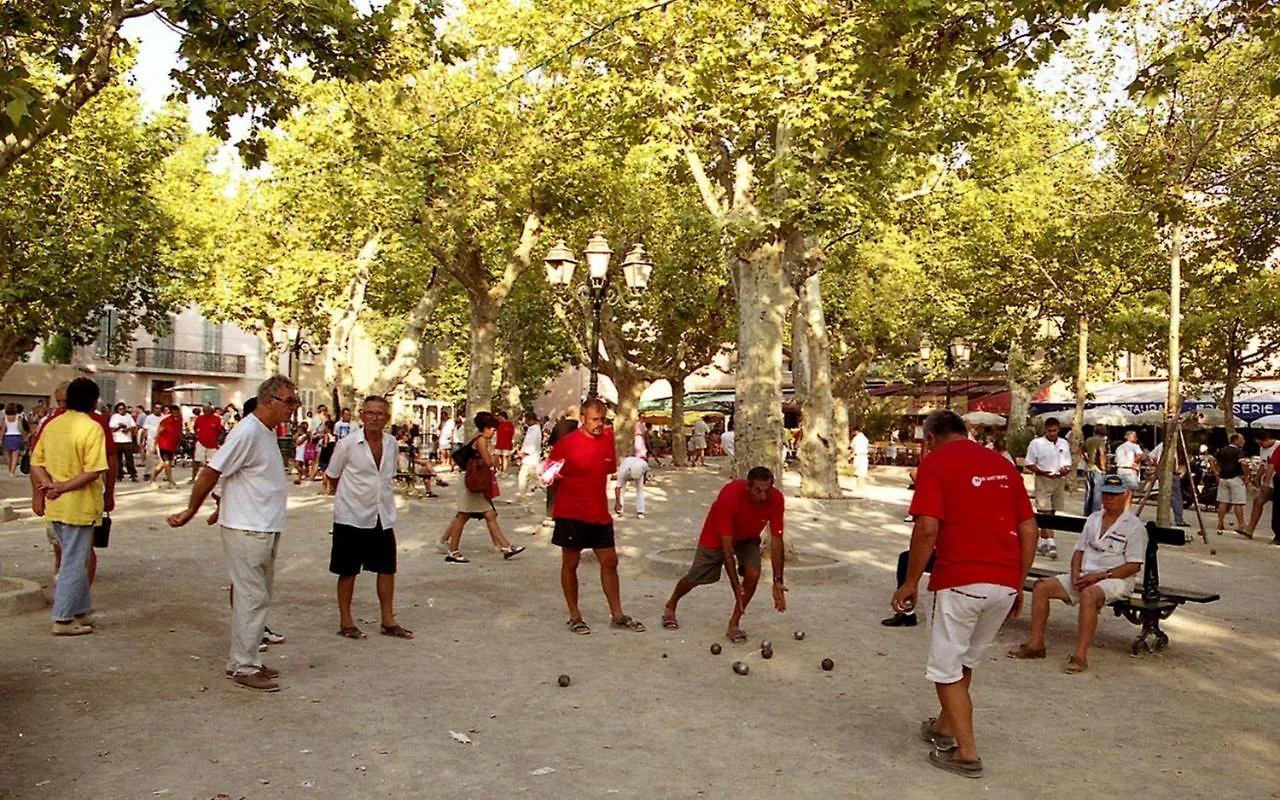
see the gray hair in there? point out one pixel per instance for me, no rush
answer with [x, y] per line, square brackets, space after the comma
[941, 424]
[272, 386]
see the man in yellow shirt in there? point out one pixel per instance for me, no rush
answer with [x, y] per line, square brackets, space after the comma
[69, 460]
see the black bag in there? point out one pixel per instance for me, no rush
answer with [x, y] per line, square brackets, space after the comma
[463, 454]
[24, 463]
[102, 532]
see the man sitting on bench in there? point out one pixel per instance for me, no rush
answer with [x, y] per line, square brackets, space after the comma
[1108, 555]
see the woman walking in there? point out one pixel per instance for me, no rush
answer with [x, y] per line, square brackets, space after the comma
[478, 505]
[15, 437]
[302, 448]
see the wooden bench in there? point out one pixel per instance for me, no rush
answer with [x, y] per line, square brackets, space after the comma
[1156, 602]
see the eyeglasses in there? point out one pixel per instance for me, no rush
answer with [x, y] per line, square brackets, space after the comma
[291, 402]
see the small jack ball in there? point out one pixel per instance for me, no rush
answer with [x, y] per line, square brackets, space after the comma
[828, 664]
[799, 636]
[766, 645]
[1213, 551]
[664, 655]
[766, 652]
[741, 667]
[563, 680]
[715, 649]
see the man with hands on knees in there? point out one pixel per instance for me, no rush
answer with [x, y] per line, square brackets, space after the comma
[1108, 556]
[973, 515]
[730, 539]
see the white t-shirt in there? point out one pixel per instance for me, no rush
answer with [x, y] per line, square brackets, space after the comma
[121, 436]
[342, 429]
[726, 442]
[1127, 455]
[446, 433]
[1265, 452]
[152, 424]
[366, 491]
[633, 466]
[1049, 456]
[254, 488]
[531, 447]
[1124, 543]
[861, 445]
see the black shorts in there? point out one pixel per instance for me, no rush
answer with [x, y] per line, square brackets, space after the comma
[168, 455]
[574, 534]
[372, 548]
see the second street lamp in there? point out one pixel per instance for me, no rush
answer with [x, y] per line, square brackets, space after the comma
[561, 263]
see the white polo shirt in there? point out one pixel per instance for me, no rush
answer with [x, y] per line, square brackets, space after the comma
[1127, 455]
[1049, 456]
[366, 491]
[1125, 542]
[254, 487]
[122, 436]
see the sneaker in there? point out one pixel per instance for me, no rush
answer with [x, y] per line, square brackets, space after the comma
[262, 648]
[271, 637]
[85, 619]
[72, 628]
[257, 681]
[1052, 553]
[456, 558]
[271, 674]
[639, 515]
[900, 621]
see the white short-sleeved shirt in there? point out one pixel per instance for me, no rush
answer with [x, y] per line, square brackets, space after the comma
[726, 443]
[254, 487]
[1125, 542]
[861, 445]
[366, 491]
[1049, 456]
[446, 433]
[122, 436]
[531, 447]
[1127, 455]
[1265, 452]
[152, 423]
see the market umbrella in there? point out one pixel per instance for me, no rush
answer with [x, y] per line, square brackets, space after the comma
[1214, 417]
[984, 418]
[1154, 416]
[193, 387]
[1108, 415]
[1272, 421]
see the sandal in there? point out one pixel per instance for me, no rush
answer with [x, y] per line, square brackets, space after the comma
[627, 622]
[441, 483]
[397, 630]
[578, 626]
[737, 636]
[1025, 652]
[351, 632]
[456, 557]
[946, 759]
[511, 552]
[1075, 666]
[929, 732]
[669, 622]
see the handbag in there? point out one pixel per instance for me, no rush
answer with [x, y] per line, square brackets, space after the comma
[493, 491]
[479, 476]
[24, 463]
[102, 532]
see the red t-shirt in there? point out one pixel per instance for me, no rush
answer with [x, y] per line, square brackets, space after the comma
[733, 514]
[98, 418]
[208, 426]
[581, 489]
[169, 434]
[980, 499]
[506, 435]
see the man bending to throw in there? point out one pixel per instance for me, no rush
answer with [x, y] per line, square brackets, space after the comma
[252, 517]
[581, 513]
[972, 512]
[731, 538]
[363, 474]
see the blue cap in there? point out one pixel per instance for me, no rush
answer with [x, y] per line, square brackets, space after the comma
[1112, 484]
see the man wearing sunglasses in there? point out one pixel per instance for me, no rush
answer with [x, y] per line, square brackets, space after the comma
[252, 514]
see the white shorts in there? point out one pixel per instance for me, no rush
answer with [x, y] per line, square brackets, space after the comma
[204, 454]
[1049, 496]
[1113, 589]
[1231, 492]
[965, 622]
[503, 452]
[860, 466]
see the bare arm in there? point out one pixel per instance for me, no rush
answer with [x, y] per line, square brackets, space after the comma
[731, 567]
[205, 481]
[777, 555]
[923, 538]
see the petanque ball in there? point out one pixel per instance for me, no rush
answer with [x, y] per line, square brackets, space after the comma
[563, 680]
[664, 655]
[741, 667]
[1213, 551]
[828, 664]
[715, 649]
[799, 636]
[766, 652]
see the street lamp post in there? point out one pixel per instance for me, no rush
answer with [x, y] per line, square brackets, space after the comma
[957, 353]
[636, 267]
[296, 348]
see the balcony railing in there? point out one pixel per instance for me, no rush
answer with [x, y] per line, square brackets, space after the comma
[189, 361]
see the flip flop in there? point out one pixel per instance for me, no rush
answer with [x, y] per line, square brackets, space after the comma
[737, 636]
[351, 632]
[669, 622]
[398, 631]
[627, 622]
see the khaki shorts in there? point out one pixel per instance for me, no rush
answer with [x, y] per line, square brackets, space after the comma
[1113, 589]
[1231, 492]
[1049, 494]
[204, 454]
[707, 562]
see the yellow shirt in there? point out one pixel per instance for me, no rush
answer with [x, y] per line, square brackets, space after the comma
[71, 444]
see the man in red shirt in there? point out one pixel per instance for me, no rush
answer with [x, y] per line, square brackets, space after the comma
[973, 515]
[581, 513]
[168, 439]
[208, 429]
[506, 441]
[730, 538]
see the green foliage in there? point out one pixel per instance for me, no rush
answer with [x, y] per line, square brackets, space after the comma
[57, 349]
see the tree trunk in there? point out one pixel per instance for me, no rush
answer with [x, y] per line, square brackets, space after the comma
[764, 297]
[841, 422]
[509, 395]
[679, 452]
[629, 386]
[1082, 386]
[484, 334]
[819, 476]
[1229, 395]
[1173, 405]
[1020, 393]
